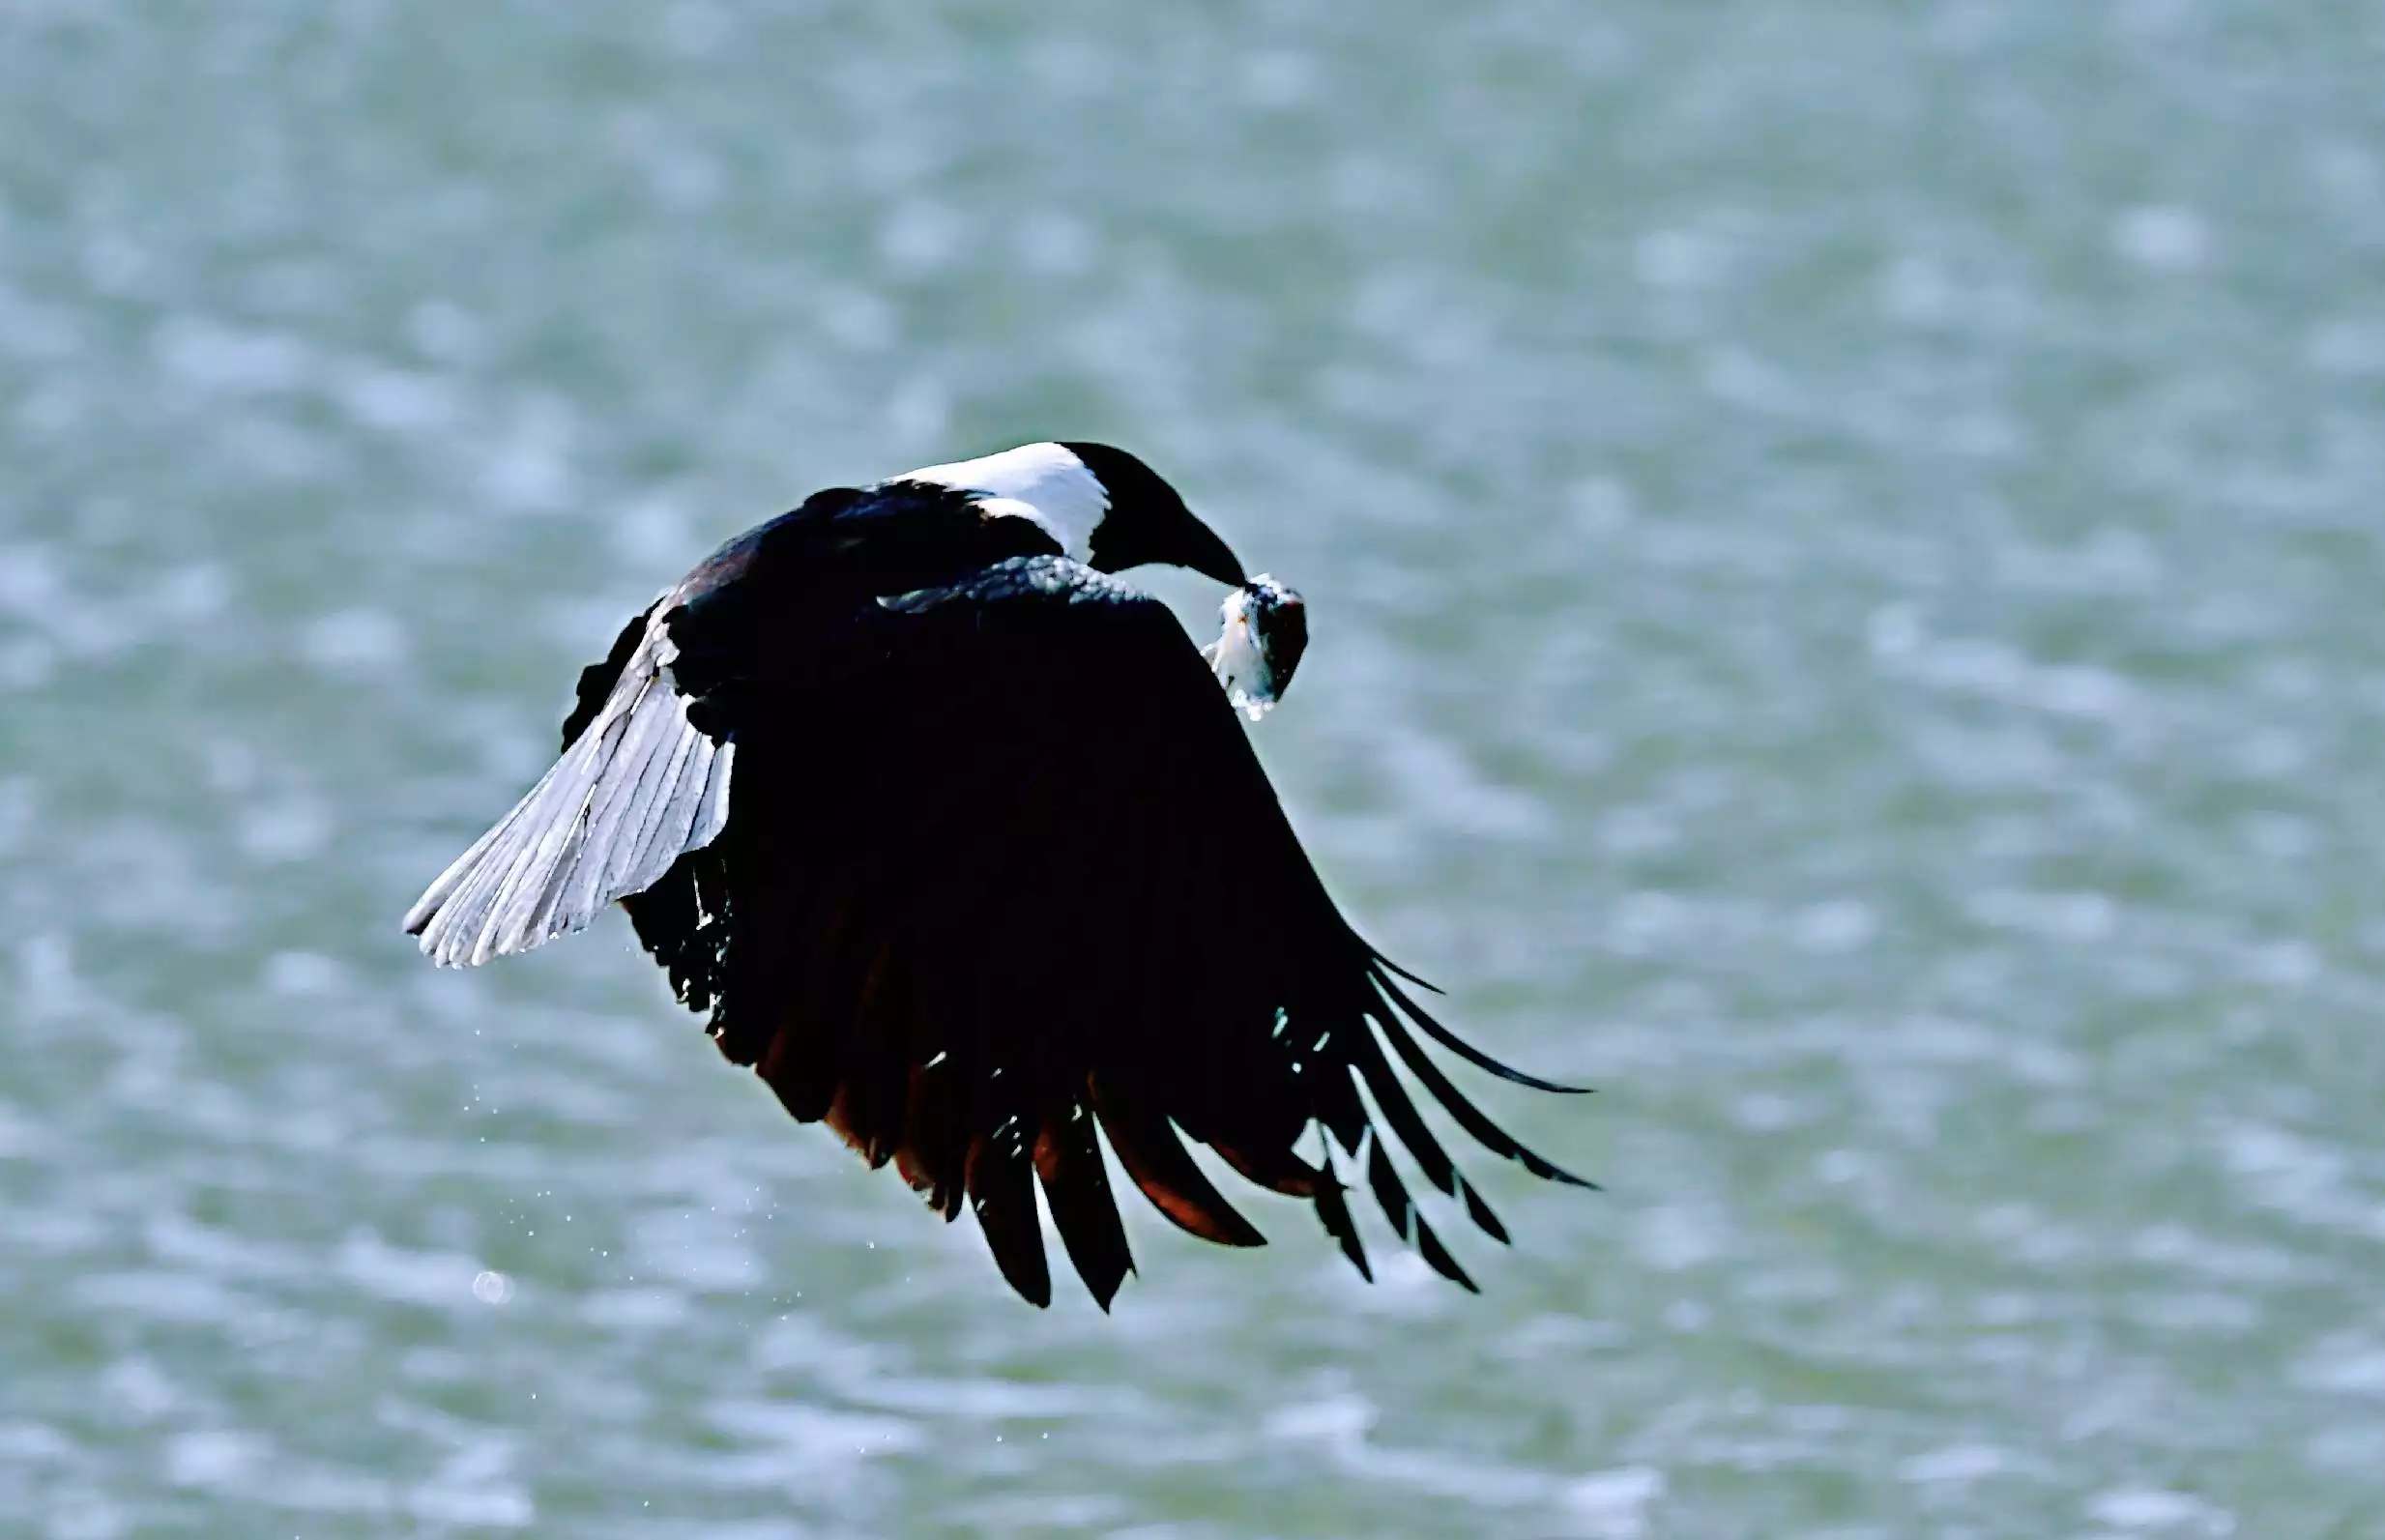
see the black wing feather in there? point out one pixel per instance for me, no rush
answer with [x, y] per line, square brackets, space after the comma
[1076, 1188]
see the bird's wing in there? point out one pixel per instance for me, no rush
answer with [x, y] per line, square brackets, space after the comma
[637, 788]
[645, 773]
[1018, 875]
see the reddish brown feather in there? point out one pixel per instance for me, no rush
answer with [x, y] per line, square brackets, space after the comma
[1278, 1171]
[804, 1062]
[870, 1101]
[1148, 1148]
[935, 1137]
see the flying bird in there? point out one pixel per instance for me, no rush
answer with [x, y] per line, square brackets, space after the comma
[956, 838]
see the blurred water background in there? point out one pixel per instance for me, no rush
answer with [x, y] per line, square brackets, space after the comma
[1846, 546]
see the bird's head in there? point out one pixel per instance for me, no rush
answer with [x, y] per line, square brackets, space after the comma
[1105, 507]
[1147, 521]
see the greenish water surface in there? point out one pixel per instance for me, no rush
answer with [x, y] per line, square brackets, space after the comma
[1846, 543]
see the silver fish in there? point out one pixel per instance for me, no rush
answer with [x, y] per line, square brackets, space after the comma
[1265, 629]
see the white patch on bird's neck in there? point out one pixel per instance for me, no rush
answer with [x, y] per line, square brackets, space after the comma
[1044, 482]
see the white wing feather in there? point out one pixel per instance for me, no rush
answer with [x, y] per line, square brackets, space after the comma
[638, 789]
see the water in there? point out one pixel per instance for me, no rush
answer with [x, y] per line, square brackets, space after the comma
[1845, 550]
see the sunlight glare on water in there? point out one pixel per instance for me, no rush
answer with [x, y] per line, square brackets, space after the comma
[1842, 543]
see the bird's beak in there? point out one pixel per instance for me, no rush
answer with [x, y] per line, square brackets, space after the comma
[1208, 555]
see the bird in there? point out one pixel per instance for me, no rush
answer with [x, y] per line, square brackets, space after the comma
[953, 838]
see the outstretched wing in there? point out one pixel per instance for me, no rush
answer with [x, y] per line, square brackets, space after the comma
[643, 782]
[637, 788]
[1007, 870]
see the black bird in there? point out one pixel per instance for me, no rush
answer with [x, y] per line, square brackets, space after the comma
[960, 844]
